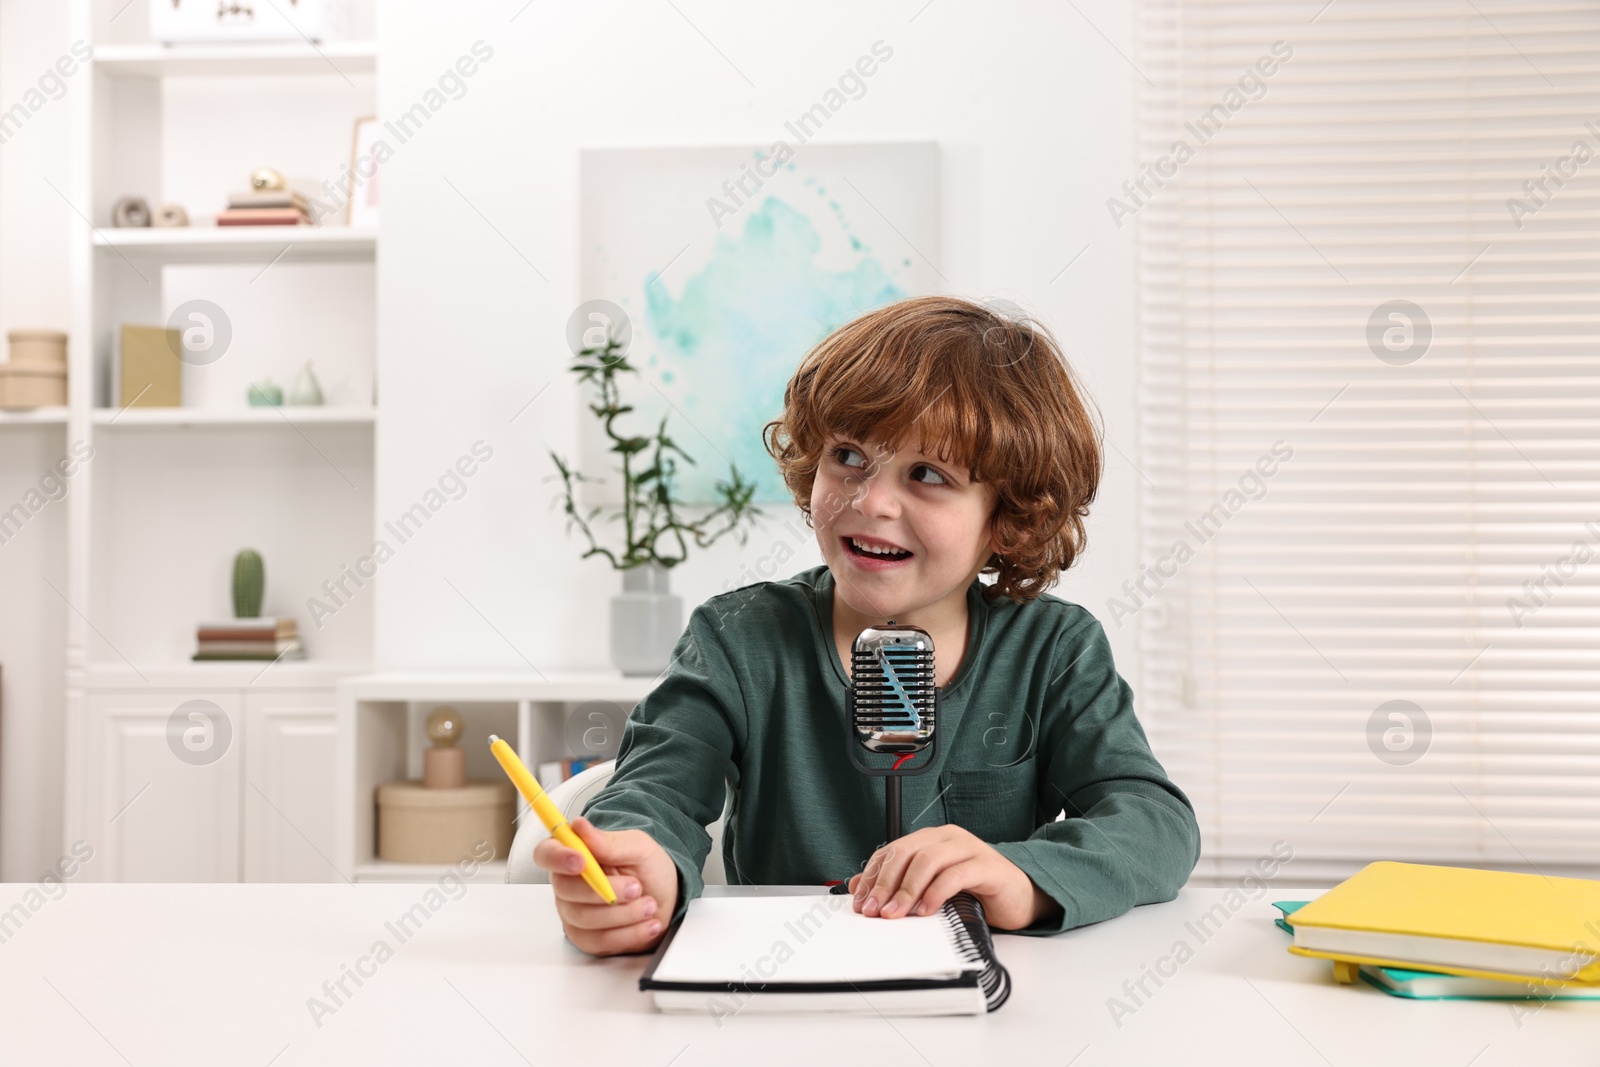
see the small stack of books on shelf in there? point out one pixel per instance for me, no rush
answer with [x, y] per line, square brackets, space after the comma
[1421, 931]
[552, 773]
[264, 639]
[280, 207]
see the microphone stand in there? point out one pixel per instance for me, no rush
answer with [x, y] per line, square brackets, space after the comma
[891, 775]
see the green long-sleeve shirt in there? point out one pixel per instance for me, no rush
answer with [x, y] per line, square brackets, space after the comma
[1036, 721]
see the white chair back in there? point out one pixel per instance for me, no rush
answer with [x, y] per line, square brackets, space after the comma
[571, 797]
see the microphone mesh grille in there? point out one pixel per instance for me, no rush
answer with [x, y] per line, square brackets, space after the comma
[892, 673]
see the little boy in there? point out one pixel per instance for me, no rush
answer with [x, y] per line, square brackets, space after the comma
[927, 442]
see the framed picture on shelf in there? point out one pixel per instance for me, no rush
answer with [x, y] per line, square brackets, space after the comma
[362, 207]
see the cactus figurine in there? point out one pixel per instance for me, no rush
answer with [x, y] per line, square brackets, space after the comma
[249, 580]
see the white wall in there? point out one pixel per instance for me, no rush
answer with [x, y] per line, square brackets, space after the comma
[1032, 108]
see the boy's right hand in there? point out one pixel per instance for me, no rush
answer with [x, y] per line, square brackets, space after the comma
[642, 874]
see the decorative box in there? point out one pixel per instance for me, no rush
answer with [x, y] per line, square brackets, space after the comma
[421, 825]
[45, 349]
[32, 387]
[36, 375]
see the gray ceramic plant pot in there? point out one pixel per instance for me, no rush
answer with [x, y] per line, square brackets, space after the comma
[646, 621]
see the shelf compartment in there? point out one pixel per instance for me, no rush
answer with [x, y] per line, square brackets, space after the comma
[381, 717]
[236, 60]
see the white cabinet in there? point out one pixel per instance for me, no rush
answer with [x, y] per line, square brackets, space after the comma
[288, 787]
[211, 785]
[156, 817]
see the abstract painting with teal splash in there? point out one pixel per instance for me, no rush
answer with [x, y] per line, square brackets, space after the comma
[761, 293]
[724, 305]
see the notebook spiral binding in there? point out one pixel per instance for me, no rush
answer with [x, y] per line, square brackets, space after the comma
[970, 931]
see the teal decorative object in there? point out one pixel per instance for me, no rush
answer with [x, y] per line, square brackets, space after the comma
[249, 582]
[306, 390]
[264, 394]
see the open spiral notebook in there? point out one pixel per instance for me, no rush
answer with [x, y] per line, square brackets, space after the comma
[817, 954]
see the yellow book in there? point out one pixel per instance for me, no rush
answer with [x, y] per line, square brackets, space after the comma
[151, 367]
[1457, 920]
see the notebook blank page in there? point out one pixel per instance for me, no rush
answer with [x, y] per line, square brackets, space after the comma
[805, 939]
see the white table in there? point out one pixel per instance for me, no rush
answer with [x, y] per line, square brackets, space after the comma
[221, 974]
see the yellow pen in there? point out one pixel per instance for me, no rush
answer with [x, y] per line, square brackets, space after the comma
[551, 816]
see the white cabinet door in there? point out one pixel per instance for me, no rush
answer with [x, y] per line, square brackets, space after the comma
[288, 786]
[164, 786]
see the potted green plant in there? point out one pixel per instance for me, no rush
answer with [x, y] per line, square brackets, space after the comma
[646, 618]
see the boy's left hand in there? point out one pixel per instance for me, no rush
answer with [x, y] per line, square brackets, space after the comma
[917, 873]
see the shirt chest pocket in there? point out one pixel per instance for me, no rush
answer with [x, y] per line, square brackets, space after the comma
[994, 803]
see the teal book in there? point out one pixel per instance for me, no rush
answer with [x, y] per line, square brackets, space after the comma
[1431, 985]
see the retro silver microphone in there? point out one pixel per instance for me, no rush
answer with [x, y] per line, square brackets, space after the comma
[893, 706]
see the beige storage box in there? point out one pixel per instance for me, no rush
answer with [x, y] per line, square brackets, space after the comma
[420, 825]
[32, 387]
[36, 374]
[38, 349]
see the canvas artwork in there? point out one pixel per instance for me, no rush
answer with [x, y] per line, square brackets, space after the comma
[731, 263]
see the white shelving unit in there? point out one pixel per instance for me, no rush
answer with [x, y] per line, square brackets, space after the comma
[286, 674]
[241, 244]
[287, 417]
[236, 60]
[165, 497]
[380, 739]
[55, 416]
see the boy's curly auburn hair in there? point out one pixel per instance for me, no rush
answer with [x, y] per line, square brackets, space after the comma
[987, 390]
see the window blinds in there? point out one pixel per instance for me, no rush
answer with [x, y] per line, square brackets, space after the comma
[1369, 392]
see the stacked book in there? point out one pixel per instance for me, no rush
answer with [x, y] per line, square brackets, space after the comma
[266, 639]
[279, 207]
[1437, 985]
[1456, 931]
